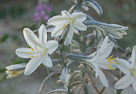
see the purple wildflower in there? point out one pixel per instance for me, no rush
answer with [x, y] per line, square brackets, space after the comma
[48, 8]
[41, 11]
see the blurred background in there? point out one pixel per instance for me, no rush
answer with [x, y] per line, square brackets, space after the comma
[17, 14]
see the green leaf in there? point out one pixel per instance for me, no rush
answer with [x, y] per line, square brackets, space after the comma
[95, 6]
[4, 38]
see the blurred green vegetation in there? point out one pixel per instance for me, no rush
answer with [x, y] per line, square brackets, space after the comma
[121, 12]
[11, 12]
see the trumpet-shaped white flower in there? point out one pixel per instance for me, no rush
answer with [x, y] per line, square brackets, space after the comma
[15, 70]
[114, 30]
[38, 51]
[75, 20]
[101, 60]
[129, 69]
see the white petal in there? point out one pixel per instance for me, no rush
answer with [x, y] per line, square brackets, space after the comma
[95, 67]
[80, 16]
[76, 31]
[31, 39]
[50, 28]
[43, 35]
[86, 8]
[103, 78]
[65, 14]
[134, 84]
[25, 52]
[80, 26]
[104, 53]
[33, 65]
[52, 45]
[57, 31]
[123, 65]
[58, 20]
[16, 66]
[69, 35]
[124, 82]
[102, 63]
[47, 61]
[105, 42]
[133, 61]
[115, 34]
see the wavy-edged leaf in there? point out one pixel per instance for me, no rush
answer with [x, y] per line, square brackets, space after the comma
[77, 57]
[44, 81]
[105, 25]
[119, 47]
[71, 10]
[95, 6]
[57, 90]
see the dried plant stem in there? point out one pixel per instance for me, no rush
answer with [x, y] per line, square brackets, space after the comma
[102, 90]
[90, 50]
[93, 84]
[77, 76]
[118, 91]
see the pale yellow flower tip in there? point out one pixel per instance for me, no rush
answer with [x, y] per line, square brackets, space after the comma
[15, 70]
[12, 74]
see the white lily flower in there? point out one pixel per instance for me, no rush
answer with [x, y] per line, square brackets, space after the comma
[15, 70]
[114, 30]
[38, 51]
[101, 60]
[75, 20]
[129, 69]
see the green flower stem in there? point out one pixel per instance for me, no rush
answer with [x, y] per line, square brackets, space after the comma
[51, 82]
[62, 58]
[93, 84]
[69, 92]
[84, 44]
[118, 91]
[77, 76]
[3, 77]
[79, 5]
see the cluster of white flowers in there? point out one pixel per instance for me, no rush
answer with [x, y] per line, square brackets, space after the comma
[100, 59]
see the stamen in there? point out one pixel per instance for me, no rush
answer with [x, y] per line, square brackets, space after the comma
[63, 27]
[35, 47]
[32, 48]
[110, 67]
[31, 56]
[28, 52]
[110, 61]
[110, 56]
[13, 73]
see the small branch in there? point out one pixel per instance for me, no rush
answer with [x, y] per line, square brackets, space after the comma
[93, 46]
[102, 90]
[62, 58]
[93, 84]
[42, 85]
[118, 91]
[84, 44]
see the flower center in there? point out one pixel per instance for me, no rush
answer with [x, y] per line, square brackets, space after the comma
[110, 61]
[72, 20]
[45, 51]
[133, 72]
